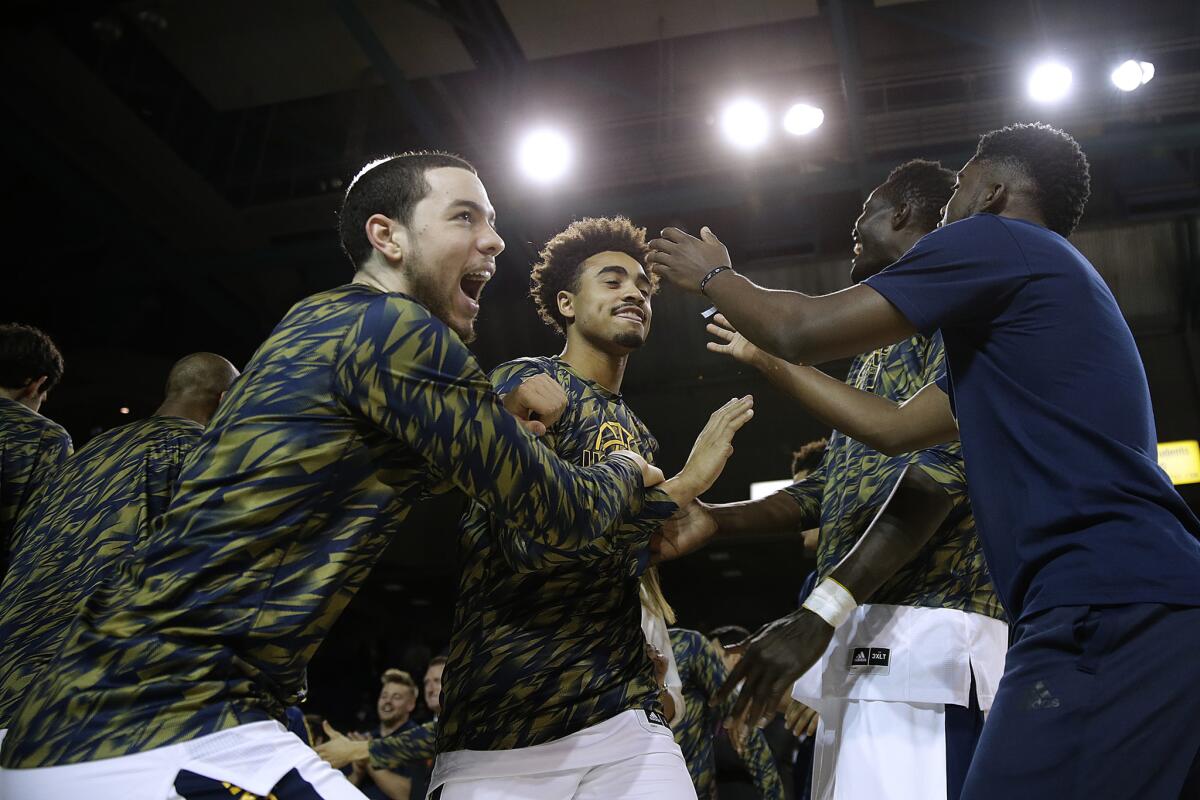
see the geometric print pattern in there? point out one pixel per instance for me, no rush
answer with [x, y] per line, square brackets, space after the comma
[538, 653]
[844, 494]
[31, 448]
[359, 405]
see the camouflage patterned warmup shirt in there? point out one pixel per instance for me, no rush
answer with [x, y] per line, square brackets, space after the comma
[359, 405]
[31, 448]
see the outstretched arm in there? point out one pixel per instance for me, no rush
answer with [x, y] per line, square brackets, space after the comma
[892, 428]
[783, 650]
[796, 327]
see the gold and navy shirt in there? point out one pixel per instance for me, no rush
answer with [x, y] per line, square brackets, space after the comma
[416, 743]
[538, 654]
[93, 514]
[703, 673]
[853, 482]
[359, 405]
[31, 448]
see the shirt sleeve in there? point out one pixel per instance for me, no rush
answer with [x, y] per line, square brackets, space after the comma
[957, 275]
[407, 373]
[397, 750]
[808, 494]
[943, 463]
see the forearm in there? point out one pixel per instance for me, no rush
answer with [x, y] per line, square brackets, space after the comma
[775, 513]
[772, 319]
[397, 749]
[869, 418]
[913, 513]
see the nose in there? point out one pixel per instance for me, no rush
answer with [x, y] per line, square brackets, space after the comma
[491, 244]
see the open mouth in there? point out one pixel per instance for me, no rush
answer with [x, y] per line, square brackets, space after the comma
[472, 284]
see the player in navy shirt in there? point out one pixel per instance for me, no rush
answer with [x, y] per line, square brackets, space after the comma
[1093, 552]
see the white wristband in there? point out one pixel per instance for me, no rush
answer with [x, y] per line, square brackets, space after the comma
[831, 602]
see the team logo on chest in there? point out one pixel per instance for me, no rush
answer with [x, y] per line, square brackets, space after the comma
[611, 436]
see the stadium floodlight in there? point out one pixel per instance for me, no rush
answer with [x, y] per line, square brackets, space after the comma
[1049, 81]
[544, 155]
[1132, 75]
[745, 123]
[802, 119]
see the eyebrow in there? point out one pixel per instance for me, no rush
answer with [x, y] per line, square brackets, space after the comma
[640, 279]
[487, 214]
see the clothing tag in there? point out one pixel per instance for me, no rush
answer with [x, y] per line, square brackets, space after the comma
[870, 659]
[657, 718]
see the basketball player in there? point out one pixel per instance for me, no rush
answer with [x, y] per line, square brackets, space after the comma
[94, 517]
[548, 691]
[1093, 553]
[363, 401]
[31, 446]
[923, 658]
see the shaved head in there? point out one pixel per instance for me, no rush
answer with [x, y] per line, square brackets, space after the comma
[197, 382]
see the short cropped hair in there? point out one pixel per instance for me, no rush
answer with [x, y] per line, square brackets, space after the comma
[26, 354]
[1052, 160]
[391, 186]
[925, 185]
[809, 456]
[438, 659]
[558, 267]
[729, 634]
[399, 676]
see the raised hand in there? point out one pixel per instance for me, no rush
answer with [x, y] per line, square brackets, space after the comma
[730, 342]
[683, 260]
[537, 402]
[712, 449]
[772, 660]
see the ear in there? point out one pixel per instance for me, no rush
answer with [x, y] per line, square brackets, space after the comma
[901, 215]
[566, 304]
[387, 236]
[995, 199]
[34, 387]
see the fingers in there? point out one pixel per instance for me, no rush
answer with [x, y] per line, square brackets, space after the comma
[534, 426]
[722, 321]
[813, 719]
[329, 731]
[725, 334]
[708, 236]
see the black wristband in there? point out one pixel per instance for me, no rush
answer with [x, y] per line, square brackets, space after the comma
[717, 271]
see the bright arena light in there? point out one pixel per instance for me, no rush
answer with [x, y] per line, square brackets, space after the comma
[802, 118]
[1132, 75]
[544, 155]
[745, 123]
[1049, 81]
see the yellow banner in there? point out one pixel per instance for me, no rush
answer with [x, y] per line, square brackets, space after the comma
[1180, 460]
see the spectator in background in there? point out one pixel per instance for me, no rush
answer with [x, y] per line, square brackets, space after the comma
[433, 685]
[397, 699]
[31, 446]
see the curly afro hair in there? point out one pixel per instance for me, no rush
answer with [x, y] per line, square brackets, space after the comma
[925, 185]
[1052, 160]
[809, 456]
[26, 354]
[558, 267]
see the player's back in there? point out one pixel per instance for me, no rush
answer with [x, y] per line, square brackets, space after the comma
[31, 448]
[88, 520]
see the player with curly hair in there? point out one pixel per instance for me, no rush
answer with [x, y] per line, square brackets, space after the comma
[1093, 552]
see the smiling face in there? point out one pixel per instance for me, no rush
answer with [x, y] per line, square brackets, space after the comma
[396, 701]
[610, 304]
[451, 248]
[873, 237]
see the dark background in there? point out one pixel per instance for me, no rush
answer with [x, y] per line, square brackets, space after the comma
[172, 170]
